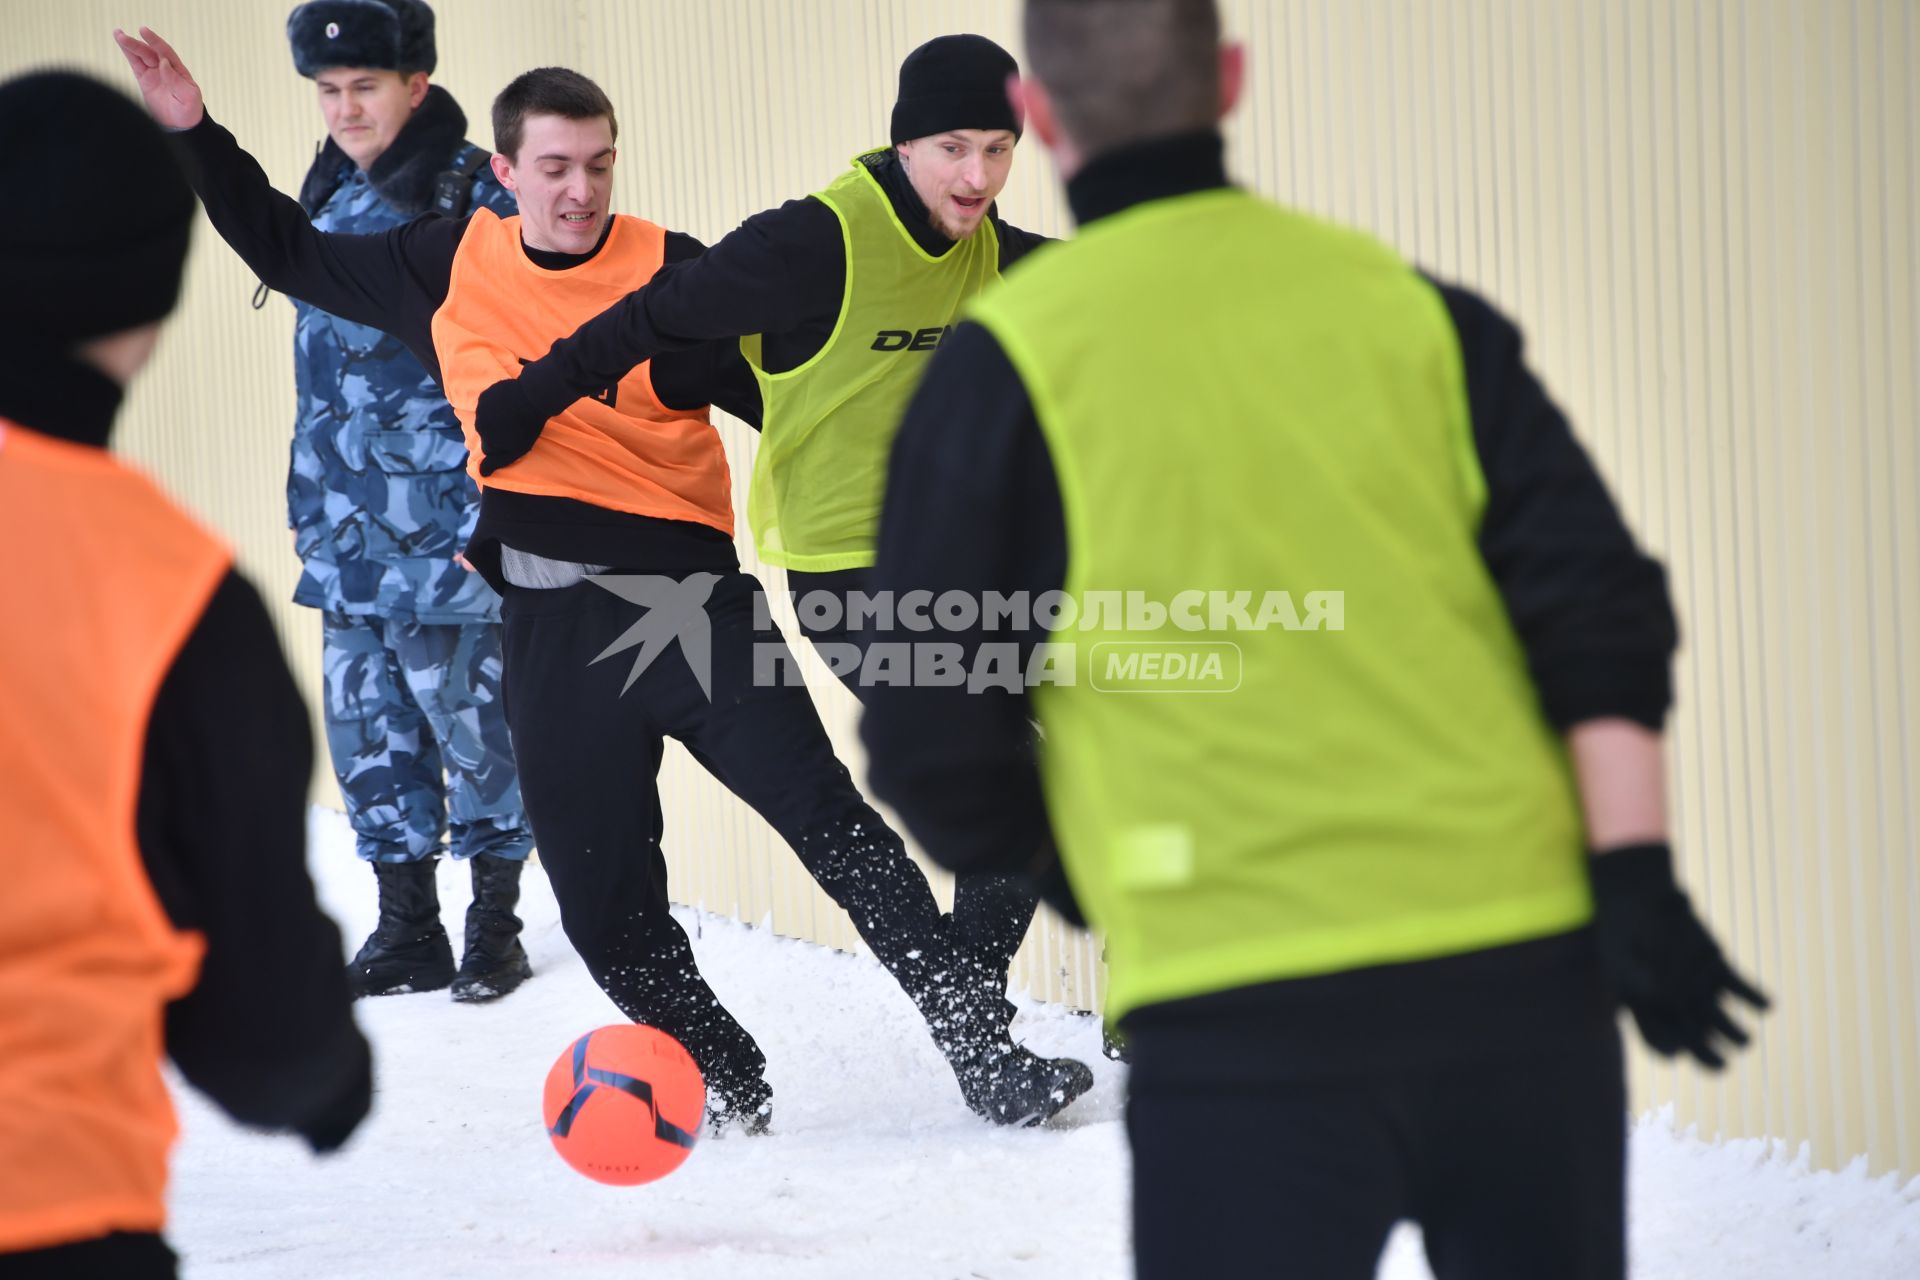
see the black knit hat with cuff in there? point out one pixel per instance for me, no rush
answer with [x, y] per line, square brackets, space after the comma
[954, 82]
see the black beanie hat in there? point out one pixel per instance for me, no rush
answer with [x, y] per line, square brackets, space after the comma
[101, 244]
[382, 35]
[954, 82]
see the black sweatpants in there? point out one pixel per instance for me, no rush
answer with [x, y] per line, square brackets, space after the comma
[589, 750]
[991, 913]
[1511, 1158]
[123, 1255]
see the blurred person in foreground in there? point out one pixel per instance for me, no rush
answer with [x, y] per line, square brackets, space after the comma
[1372, 896]
[154, 752]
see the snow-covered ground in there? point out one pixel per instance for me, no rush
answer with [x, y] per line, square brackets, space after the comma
[875, 1169]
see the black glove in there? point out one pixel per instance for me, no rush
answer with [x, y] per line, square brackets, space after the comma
[329, 1128]
[507, 424]
[1660, 960]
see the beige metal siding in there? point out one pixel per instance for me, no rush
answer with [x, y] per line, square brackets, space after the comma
[1705, 213]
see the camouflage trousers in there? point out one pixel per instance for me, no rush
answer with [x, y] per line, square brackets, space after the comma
[418, 738]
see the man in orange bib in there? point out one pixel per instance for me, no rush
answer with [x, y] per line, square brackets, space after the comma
[624, 502]
[154, 752]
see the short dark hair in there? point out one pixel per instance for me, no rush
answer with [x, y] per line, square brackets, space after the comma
[1120, 71]
[547, 91]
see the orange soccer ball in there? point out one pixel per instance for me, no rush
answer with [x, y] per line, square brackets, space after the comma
[624, 1104]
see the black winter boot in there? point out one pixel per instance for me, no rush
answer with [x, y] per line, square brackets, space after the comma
[494, 962]
[407, 950]
[1017, 1086]
[747, 1105]
[968, 1012]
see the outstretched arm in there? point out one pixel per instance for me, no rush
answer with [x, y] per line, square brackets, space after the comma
[391, 281]
[764, 277]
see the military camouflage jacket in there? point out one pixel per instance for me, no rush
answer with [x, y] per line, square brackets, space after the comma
[377, 492]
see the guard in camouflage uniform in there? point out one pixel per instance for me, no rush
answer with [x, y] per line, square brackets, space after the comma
[380, 505]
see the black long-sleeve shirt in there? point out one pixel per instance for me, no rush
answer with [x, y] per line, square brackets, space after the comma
[781, 274]
[267, 1031]
[396, 281]
[1591, 610]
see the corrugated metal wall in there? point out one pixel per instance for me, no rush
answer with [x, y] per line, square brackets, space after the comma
[1704, 211]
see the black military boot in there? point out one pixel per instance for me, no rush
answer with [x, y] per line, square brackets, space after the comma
[407, 950]
[494, 962]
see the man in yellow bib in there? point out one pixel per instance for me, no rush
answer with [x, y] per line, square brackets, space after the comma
[838, 301]
[1360, 767]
